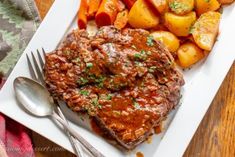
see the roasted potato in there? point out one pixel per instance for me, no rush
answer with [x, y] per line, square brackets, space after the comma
[141, 16]
[188, 54]
[160, 5]
[205, 30]
[180, 25]
[168, 39]
[203, 6]
[226, 1]
[181, 7]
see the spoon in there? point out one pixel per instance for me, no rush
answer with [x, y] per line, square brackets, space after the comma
[36, 99]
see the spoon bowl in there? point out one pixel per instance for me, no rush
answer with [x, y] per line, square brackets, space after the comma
[33, 96]
[36, 99]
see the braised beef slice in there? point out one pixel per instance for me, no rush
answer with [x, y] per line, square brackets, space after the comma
[124, 79]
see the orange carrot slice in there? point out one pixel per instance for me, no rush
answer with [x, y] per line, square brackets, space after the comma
[107, 12]
[82, 14]
[122, 19]
[93, 8]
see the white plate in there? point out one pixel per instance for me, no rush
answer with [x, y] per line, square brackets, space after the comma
[202, 83]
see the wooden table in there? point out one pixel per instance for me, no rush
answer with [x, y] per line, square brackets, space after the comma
[215, 137]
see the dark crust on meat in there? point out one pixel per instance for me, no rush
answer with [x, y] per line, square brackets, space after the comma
[123, 79]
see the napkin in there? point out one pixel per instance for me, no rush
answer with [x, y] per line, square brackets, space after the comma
[19, 20]
[14, 139]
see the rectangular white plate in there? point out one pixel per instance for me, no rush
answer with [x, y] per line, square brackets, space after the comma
[202, 83]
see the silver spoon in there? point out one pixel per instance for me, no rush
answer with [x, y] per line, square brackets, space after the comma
[36, 99]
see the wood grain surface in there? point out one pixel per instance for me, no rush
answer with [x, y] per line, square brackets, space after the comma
[215, 137]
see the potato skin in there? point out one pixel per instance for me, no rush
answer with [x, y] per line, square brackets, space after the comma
[180, 25]
[205, 30]
[203, 6]
[168, 39]
[189, 54]
[141, 16]
[181, 7]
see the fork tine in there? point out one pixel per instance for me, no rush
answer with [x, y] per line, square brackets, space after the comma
[38, 71]
[40, 60]
[31, 70]
[44, 53]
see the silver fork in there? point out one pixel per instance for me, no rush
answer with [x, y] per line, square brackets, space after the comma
[37, 74]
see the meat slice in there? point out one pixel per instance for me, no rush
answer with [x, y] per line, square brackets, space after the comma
[123, 79]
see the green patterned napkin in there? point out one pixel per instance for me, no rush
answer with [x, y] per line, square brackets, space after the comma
[19, 20]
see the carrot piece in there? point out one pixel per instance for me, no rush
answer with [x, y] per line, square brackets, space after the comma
[107, 12]
[129, 3]
[93, 8]
[122, 19]
[82, 14]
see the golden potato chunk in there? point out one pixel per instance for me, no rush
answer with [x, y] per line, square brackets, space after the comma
[141, 16]
[168, 39]
[203, 6]
[181, 7]
[205, 30]
[189, 54]
[160, 5]
[226, 1]
[180, 25]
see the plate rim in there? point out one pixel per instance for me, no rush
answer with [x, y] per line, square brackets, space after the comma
[182, 139]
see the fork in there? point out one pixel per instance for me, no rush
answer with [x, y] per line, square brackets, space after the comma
[37, 75]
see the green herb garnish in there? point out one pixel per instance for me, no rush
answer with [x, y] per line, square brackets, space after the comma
[84, 92]
[95, 102]
[150, 41]
[89, 65]
[152, 69]
[137, 55]
[178, 7]
[136, 105]
[83, 80]
[109, 96]
[141, 55]
[76, 60]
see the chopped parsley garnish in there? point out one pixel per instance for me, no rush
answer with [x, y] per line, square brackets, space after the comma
[141, 55]
[137, 55]
[142, 52]
[152, 69]
[82, 81]
[84, 92]
[100, 81]
[136, 105]
[150, 41]
[95, 102]
[89, 65]
[109, 96]
[178, 7]
[77, 60]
